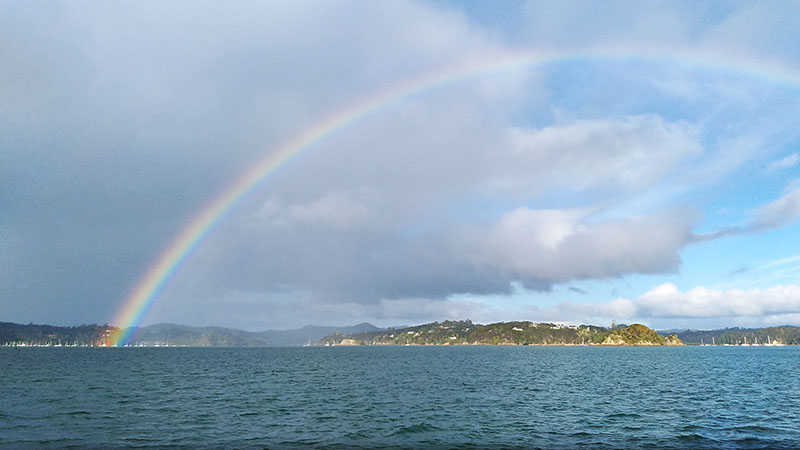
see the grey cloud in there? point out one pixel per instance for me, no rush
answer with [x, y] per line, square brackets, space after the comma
[333, 265]
[354, 227]
[120, 122]
[740, 270]
[439, 155]
[337, 265]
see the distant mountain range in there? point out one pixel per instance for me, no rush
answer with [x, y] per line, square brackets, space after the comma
[171, 334]
[464, 331]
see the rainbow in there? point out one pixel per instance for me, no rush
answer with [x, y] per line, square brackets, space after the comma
[140, 300]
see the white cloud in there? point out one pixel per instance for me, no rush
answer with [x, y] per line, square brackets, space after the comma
[666, 301]
[750, 29]
[340, 210]
[633, 152]
[783, 211]
[663, 305]
[554, 246]
[757, 30]
[784, 163]
[336, 209]
[604, 22]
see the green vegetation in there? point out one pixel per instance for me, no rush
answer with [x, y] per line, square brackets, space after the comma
[437, 333]
[638, 334]
[183, 336]
[166, 335]
[504, 333]
[786, 335]
[32, 334]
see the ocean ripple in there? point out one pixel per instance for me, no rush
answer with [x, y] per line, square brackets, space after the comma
[400, 397]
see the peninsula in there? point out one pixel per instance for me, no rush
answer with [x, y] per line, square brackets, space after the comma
[505, 333]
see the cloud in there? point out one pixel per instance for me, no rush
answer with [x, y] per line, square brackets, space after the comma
[783, 211]
[362, 226]
[603, 22]
[729, 29]
[554, 246]
[740, 270]
[664, 304]
[667, 306]
[755, 29]
[337, 209]
[340, 210]
[122, 122]
[632, 152]
[784, 163]
[666, 301]
[369, 264]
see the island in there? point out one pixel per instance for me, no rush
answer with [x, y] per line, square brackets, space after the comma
[504, 333]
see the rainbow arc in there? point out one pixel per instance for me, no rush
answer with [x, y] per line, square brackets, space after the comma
[140, 300]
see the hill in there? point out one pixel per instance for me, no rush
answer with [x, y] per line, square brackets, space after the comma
[503, 333]
[787, 335]
[33, 334]
[309, 334]
[638, 334]
[166, 334]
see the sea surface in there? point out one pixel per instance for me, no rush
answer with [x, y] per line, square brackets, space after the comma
[401, 397]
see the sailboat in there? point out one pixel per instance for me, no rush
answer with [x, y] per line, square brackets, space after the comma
[774, 343]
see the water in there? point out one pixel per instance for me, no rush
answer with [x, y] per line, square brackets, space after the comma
[428, 397]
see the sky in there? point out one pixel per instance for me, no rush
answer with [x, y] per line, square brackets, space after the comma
[564, 161]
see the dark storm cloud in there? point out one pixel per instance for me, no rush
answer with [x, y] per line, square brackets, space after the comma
[120, 121]
[94, 177]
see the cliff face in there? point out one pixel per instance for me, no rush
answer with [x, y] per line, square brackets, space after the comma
[614, 339]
